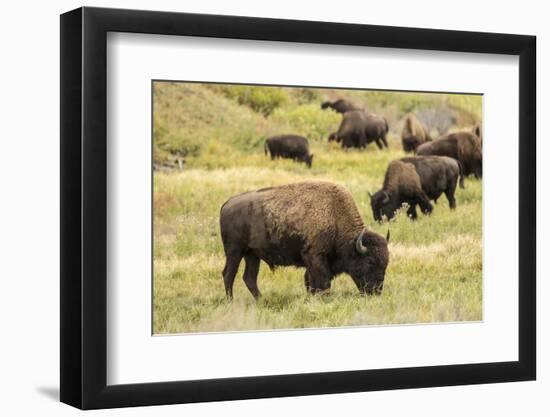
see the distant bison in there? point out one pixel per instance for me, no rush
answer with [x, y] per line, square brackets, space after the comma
[359, 128]
[478, 131]
[416, 180]
[340, 106]
[465, 147]
[315, 225]
[414, 133]
[289, 146]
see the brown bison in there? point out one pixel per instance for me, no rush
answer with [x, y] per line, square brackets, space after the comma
[289, 146]
[465, 147]
[414, 133]
[315, 225]
[340, 106]
[359, 128]
[416, 180]
[478, 131]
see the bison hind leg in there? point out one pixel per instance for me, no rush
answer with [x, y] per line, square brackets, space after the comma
[450, 194]
[250, 276]
[229, 271]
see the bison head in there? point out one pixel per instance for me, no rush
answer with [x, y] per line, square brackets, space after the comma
[383, 204]
[369, 262]
[325, 104]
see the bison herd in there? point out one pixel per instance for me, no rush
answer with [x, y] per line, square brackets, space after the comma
[316, 224]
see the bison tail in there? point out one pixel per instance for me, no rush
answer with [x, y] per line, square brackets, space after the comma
[460, 174]
[265, 148]
[387, 127]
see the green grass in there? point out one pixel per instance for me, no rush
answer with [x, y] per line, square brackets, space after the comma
[435, 270]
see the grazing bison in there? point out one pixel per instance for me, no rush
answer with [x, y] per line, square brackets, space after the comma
[289, 146]
[416, 180]
[315, 225]
[414, 133]
[465, 147]
[359, 128]
[340, 106]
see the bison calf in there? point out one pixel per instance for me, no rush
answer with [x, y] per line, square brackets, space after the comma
[289, 146]
[315, 225]
[465, 147]
[416, 181]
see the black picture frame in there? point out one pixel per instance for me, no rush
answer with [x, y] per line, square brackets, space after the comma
[84, 207]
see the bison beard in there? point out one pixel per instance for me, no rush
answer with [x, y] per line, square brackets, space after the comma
[315, 225]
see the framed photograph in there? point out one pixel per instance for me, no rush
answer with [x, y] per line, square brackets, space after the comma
[374, 188]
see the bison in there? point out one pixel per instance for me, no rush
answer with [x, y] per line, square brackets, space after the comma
[359, 128]
[414, 133]
[416, 180]
[465, 147]
[314, 225]
[340, 106]
[478, 131]
[289, 146]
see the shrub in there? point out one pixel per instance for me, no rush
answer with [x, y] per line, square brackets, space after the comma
[260, 99]
[307, 120]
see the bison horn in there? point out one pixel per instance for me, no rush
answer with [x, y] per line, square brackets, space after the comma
[386, 198]
[388, 236]
[370, 195]
[359, 247]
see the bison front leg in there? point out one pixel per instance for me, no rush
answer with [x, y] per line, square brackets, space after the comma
[318, 274]
[424, 203]
[307, 281]
[250, 276]
[411, 212]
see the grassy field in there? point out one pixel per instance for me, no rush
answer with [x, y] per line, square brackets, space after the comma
[435, 270]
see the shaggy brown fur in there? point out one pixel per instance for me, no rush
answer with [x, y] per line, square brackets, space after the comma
[465, 147]
[312, 224]
[414, 133]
